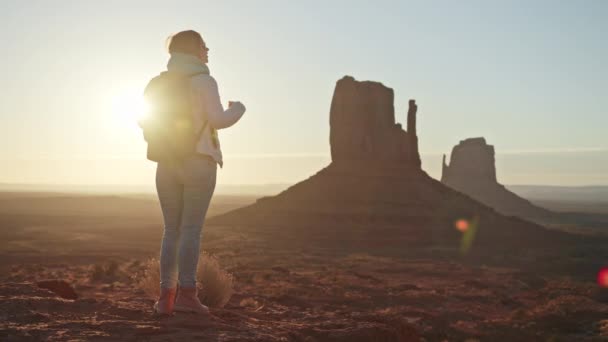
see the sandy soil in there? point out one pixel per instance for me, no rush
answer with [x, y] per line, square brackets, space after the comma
[283, 292]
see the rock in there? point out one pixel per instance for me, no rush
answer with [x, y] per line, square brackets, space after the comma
[472, 170]
[374, 196]
[472, 160]
[59, 287]
[363, 127]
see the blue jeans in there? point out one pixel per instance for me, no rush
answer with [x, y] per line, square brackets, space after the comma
[184, 192]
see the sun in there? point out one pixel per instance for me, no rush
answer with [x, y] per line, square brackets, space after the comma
[130, 107]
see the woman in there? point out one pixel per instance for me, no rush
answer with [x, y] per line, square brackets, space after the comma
[185, 189]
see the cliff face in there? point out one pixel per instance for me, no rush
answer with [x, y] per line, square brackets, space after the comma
[472, 171]
[363, 127]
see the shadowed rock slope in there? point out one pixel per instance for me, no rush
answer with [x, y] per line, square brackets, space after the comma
[374, 196]
[472, 171]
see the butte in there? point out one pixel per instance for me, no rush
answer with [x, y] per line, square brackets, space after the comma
[375, 198]
[472, 170]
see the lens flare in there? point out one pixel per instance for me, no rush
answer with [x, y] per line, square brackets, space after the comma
[462, 225]
[602, 277]
[468, 228]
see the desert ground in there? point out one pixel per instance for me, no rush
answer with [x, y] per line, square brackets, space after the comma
[285, 289]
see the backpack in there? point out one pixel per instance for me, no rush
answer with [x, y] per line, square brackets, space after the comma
[169, 126]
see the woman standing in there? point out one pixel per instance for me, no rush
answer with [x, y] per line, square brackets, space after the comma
[185, 188]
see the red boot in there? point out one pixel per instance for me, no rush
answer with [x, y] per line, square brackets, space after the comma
[165, 303]
[187, 301]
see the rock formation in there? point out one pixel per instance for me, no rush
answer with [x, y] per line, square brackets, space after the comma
[363, 127]
[472, 171]
[471, 160]
[374, 196]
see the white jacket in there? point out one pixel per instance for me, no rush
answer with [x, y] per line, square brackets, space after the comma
[207, 107]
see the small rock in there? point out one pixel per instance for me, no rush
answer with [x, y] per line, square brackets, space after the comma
[59, 287]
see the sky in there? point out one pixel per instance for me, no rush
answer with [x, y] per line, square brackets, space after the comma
[530, 77]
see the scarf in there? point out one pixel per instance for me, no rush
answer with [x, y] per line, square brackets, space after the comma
[186, 64]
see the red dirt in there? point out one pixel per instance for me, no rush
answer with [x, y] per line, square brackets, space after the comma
[286, 289]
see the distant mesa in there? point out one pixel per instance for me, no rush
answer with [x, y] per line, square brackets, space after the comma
[472, 161]
[472, 170]
[374, 196]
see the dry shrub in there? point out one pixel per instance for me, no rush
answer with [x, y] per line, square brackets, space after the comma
[150, 279]
[97, 272]
[109, 272]
[216, 286]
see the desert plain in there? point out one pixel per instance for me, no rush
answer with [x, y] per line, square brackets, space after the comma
[285, 288]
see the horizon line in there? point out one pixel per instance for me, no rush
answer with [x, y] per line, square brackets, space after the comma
[255, 185]
[567, 150]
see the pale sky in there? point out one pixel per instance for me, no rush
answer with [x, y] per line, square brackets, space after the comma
[531, 77]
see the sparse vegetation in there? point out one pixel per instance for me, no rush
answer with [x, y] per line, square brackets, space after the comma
[150, 279]
[216, 285]
[97, 272]
[105, 272]
[286, 284]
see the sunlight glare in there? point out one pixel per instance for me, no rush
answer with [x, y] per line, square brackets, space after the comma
[130, 108]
